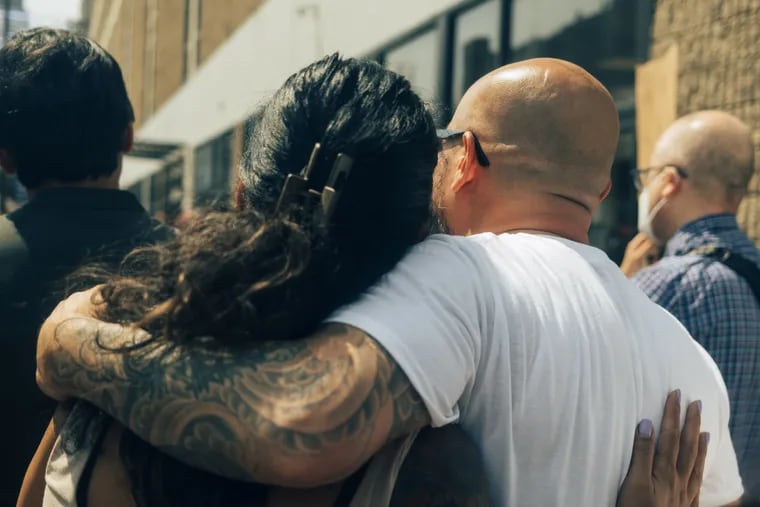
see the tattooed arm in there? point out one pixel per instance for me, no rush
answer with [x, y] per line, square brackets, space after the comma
[294, 414]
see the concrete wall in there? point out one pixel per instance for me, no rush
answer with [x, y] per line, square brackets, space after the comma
[718, 43]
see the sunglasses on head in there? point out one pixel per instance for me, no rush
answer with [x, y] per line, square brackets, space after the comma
[449, 135]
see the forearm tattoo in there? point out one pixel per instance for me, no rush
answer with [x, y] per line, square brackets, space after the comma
[238, 413]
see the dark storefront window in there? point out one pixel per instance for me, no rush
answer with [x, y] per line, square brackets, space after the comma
[477, 45]
[607, 38]
[419, 60]
[174, 192]
[213, 165]
[158, 193]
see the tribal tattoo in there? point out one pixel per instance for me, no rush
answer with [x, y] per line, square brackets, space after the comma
[294, 413]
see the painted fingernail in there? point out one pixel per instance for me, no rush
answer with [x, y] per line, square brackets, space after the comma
[677, 392]
[707, 437]
[699, 406]
[646, 428]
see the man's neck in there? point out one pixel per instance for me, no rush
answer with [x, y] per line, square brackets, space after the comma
[690, 215]
[565, 220]
[101, 183]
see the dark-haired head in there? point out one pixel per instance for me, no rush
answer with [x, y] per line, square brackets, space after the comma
[267, 273]
[64, 111]
[371, 114]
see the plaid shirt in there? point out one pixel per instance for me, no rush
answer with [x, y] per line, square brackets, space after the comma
[720, 311]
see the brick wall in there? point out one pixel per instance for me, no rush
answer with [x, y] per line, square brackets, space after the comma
[718, 49]
[149, 39]
[170, 50]
[218, 21]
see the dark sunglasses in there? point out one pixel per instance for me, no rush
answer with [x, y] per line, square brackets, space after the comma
[448, 135]
[638, 173]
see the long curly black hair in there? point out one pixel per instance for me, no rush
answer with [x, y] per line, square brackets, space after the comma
[274, 273]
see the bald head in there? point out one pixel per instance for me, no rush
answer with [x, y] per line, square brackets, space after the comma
[716, 150]
[556, 123]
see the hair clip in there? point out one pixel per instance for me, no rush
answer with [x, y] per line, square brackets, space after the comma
[297, 190]
[334, 186]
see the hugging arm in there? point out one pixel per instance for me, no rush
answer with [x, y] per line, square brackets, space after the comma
[294, 413]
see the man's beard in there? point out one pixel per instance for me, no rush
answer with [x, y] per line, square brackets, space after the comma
[437, 221]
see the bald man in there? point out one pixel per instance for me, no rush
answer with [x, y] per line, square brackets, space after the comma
[699, 173]
[519, 331]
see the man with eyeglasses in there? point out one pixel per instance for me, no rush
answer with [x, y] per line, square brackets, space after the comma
[709, 276]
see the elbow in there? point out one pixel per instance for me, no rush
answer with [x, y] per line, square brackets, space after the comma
[304, 469]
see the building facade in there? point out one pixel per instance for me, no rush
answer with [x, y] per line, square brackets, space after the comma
[14, 19]
[717, 43]
[195, 99]
[161, 43]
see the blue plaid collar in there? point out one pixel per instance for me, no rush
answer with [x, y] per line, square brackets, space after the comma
[708, 230]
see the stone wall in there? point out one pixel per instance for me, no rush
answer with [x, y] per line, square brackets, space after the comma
[718, 52]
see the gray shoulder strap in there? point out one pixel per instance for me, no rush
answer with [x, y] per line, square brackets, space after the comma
[13, 250]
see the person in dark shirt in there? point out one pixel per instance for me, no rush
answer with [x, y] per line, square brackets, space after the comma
[65, 124]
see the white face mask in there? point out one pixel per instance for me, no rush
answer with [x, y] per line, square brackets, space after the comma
[646, 216]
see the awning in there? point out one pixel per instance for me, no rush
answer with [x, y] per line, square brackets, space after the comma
[135, 169]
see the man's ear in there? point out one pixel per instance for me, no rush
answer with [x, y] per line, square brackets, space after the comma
[239, 196]
[467, 167]
[673, 183]
[129, 139]
[6, 162]
[606, 191]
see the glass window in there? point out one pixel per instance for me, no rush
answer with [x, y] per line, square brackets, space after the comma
[534, 20]
[477, 45]
[203, 169]
[174, 192]
[158, 192]
[419, 60]
[607, 38]
[213, 165]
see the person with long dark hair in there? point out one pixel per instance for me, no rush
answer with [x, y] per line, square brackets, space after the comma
[334, 191]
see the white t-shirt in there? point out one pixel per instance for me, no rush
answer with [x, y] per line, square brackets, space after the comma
[548, 357]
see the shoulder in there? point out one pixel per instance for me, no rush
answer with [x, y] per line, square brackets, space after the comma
[452, 246]
[693, 288]
[678, 273]
[14, 251]
[442, 257]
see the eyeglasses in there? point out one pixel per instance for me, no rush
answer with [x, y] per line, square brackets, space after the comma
[637, 174]
[448, 135]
